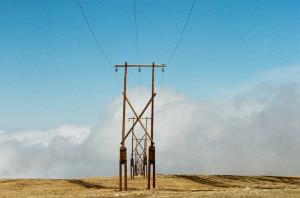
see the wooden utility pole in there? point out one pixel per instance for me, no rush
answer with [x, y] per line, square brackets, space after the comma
[123, 155]
[145, 152]
[140, 160]
[151, 160]
[131, 159]
[138, 118]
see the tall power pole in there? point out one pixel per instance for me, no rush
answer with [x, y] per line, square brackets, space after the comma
[138, 118]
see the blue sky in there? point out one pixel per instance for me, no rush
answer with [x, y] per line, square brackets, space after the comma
[52, 73]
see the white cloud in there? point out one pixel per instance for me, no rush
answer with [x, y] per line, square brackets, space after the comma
[74, 134]
[274, 76]
[281, 74]
[255, 133]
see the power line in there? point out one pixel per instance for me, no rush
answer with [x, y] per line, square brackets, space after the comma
[187, 20]
[184, 27]
[137, 42]
[118, 82]
[98, 43]
[136, 33]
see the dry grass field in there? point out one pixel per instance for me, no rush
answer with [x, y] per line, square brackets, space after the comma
[167, 186]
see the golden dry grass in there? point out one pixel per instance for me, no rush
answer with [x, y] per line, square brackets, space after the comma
[167, 186]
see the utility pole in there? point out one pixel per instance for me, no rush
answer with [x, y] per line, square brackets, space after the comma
[131, 159]
[140, 160]
[145, 152]
[123, 155]
[138, 118]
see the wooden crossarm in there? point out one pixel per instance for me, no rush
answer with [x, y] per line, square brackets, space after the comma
[140, 65]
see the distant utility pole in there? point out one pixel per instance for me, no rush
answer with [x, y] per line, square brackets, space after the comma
[138, 118]
[138, 165]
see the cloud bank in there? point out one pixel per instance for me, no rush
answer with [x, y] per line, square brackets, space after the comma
[257, 133]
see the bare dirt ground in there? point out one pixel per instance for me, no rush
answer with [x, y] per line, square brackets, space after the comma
[167, 186]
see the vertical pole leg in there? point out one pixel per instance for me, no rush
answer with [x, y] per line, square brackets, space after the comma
[123, 160]
[120, 175]
[151, 161]
[123, 156]
[131, 168]
[152, 147]
[149, 172]
[125, 174]
[144, 170]
[153, 166]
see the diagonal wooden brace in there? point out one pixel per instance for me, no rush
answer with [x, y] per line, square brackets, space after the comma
[140, 157]
[138, 143]
[136, 150]
[139, 140]
[138, 118]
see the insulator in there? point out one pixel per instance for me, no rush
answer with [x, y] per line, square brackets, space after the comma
[140, 70]
[116, 69]
[163, 70]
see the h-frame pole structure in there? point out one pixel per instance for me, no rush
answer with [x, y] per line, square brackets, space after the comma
[123, 155]
[140, 157]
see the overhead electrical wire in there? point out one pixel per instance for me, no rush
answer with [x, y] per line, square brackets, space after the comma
[106, 58]
[98, 43]
[137, 50]
[136, 33]
[137, 42]
[176, 47]
[184, 27]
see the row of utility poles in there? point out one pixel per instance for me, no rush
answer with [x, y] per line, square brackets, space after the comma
[141, 161]
[138, 160]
